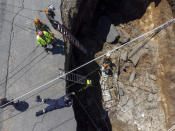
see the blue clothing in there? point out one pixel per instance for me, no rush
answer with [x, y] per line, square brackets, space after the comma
[53, 104]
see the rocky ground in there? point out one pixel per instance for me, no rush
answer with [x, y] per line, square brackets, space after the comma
[133, 95]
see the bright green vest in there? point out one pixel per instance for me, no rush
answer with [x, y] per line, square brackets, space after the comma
[43, 41]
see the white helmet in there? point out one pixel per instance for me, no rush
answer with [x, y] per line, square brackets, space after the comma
[51, 8]
[108, 54]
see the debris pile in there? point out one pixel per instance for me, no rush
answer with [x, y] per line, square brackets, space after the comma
[131, 94]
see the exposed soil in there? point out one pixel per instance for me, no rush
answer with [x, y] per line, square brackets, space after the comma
[167, 63]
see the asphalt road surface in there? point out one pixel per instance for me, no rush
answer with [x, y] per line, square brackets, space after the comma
[24, 66]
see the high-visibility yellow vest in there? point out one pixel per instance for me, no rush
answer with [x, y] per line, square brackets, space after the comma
[43, 41]
[88, 82]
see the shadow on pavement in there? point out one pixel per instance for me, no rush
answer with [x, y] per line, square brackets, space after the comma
[57, 48]
[21, 106]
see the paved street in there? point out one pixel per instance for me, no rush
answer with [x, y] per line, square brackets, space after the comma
[25, 66]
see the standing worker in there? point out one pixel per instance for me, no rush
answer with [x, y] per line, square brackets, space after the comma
[64, 101]
[44, 38]
[50, 14]
[41, 26]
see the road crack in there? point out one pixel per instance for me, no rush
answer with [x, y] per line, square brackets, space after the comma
[10, 45]
[36, 123]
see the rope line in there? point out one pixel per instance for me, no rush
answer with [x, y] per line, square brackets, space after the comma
[159, 27]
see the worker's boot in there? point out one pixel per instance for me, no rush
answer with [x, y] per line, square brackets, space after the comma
[39, 113]
[38, 99]
[46, 50]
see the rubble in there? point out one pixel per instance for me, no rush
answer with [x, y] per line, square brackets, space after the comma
[106, 95]
[113, 35]
[124, 55]
[132, 76]
[135, 59]
[124, 36]
[120, 91]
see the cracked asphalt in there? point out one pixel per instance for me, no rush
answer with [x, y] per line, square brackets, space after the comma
[25, 66]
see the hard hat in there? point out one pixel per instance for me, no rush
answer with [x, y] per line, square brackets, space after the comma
[51, 8]
[37, 21]
[107, 55]
[105, 65]
[40, 33]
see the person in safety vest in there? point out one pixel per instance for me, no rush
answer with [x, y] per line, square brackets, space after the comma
[40, 26]
[53, 104]
[44, 38]
[50, 14]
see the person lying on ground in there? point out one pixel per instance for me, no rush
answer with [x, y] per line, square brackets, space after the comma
[53, 104]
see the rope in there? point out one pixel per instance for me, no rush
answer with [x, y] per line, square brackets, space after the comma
[172, 128]
[159, 27]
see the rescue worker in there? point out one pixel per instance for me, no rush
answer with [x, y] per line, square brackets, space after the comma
[44, 38]
[41, 26]
[53, 104]
[108, 65]
[88, 84]
[107, 60]
[50, 14]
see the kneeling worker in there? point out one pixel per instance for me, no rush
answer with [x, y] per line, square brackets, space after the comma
[64, 101]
